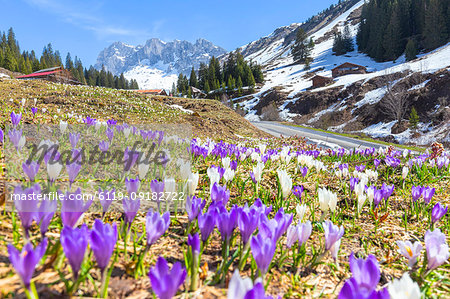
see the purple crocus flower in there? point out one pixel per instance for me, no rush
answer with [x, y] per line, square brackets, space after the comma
[438, 212]
[363, 283]
[25, 201]
[416, 192]
[74, 242]
[130, 209]
[194, 243]
[226, 222]
[427, 194]
[103, 145]
[252, 176]
[247, 222]
[111, 123]
[387, 190]
[157, 188]
[73, 206]
[353, 182]
[34, 110]
[15, 118]
[103, 238]
[304, 171]
[25, 262]
[376, 163]
[220, 194]
[31, 169]
[206, 223]
[304, 231]
[106, 198]
[16, 138]
[1, 135]
[165, 282]
[45, 214]
[156, 225]
[110, 134]
[73, 169]
[262, 208]
[74, 138]
[263, 249]
[276, 227]
[194, 205]
[257, 292]
[392, 162]
[89, 121]
[130, 158]
[132, 186]
[298, 191]
[437, 248]
[333, 235]
[360, 168]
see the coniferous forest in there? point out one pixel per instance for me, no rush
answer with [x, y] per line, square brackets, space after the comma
[234, 74]
[11, 58]
[390, 28]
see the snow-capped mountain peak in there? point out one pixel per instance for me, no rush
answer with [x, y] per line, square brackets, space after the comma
[156, 64]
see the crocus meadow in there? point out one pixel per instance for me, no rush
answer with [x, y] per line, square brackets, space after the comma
[244, 218]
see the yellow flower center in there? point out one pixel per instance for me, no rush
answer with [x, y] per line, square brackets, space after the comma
[408, 249]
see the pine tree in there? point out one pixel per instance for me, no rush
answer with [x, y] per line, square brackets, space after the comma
[189, 93]
[239, 85]
[207, 89]
[413, 119]
[411, 50]
[193, 78]
[301, 50]
[435, 31]
[69, 62]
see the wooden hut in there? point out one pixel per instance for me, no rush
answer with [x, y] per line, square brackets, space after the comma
[319, 81]
[348, 68]
[55, 74]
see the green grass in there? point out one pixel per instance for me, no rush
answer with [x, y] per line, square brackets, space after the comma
[359, 137]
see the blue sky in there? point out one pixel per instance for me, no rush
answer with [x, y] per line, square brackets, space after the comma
[85, 27]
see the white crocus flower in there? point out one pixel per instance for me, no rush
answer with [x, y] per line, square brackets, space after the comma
[228, 175]
[262, 148]
[301, 211]
[185, 169]
[361, 201]
[193, 182]
[405, 171]
[323, 200]
[257, 171]
[404, 288]
[370, 194]
[143, 169]
[214, 176]
[255, 157]
[238, 287]
[53, 170]
[170, 185]
[127, 132]
[226, 162]
[285, 182]
[327, 200]
[63, 126]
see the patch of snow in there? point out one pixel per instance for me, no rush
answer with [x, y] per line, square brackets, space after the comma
[380, 129]
[371, 97]
[181, 108]
[4, 75]
[419, 86]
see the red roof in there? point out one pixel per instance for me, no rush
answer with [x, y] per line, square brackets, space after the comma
[38, 74]
[150, 90]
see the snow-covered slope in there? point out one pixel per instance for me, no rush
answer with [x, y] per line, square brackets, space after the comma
[157, 63]
[294, 82]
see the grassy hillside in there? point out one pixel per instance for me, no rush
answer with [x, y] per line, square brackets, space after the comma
[56, 102]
